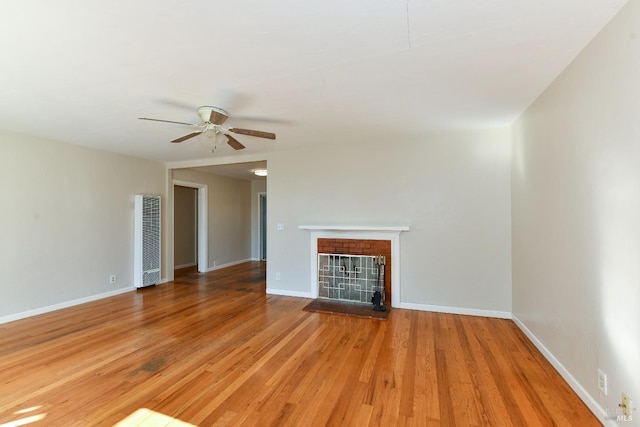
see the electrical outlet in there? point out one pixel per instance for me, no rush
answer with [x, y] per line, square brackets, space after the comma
[113, 279]
[627, 406]
[602, 381]
[280, 226]
[278, 276]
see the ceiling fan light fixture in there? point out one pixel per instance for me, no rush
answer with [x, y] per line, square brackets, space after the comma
[211, 133]
[260, 172]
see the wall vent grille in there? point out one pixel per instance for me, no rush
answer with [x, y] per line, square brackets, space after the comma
[147, 241]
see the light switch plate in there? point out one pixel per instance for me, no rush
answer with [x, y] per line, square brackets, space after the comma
[627, 406]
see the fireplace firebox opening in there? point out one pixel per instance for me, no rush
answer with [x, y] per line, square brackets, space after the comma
[349, 269]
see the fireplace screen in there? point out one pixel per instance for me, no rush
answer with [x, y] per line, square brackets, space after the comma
[350, 277]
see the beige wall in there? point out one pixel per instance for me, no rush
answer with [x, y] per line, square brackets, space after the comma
[185, 226]
[229, 222]
[67, 221]
[576, 215]
[451, 188]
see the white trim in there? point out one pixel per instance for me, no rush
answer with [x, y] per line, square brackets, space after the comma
[229, 264]
[203, 231]
[203, 215]
[66, 304]
[261, 231]
[354, 228]
[169, 242]
[364, 234]
[588, 400]
[218, 160]
[288, 293]
[456, 310]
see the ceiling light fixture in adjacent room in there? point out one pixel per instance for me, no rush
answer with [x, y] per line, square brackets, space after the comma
[260, 172]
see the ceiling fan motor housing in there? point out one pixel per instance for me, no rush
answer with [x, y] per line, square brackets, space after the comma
[205, 112]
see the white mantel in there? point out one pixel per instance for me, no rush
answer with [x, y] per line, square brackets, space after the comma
[391, 233]
[398, 228]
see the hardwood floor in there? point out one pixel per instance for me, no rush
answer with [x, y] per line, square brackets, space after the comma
[214, 349]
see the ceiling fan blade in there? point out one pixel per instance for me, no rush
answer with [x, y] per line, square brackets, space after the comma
[184, 138]
[167, 121]
[259, 134]
[217, 118]
[234, 143]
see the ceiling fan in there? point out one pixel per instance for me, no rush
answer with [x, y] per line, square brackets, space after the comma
[212, 120]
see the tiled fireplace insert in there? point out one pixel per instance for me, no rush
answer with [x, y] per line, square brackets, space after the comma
[349, 269]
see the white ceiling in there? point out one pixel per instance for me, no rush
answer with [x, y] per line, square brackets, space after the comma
[313, 72]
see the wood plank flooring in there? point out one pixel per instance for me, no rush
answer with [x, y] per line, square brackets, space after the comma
[214, 349]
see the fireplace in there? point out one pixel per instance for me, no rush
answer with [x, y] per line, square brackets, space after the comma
[363, 241]
[351, 278]
[358, 258]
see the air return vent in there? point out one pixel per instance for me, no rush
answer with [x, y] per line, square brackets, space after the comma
[146, 247]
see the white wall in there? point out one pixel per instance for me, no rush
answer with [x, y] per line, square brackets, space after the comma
[67, 221]
[229, 219]
[452, 189]
[576, 215]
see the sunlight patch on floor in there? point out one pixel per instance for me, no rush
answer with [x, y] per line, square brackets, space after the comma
[27, 420]
[144, 417]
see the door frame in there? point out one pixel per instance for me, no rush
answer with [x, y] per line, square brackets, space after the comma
[262, 228]
[203, 215]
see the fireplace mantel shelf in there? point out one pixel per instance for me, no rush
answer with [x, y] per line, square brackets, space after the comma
[398, 228]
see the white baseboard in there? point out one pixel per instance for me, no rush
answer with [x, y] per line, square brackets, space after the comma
[287, 293]
[588, 400]
[178, 267]
[66, 304]
[456, 310]
[229, 264]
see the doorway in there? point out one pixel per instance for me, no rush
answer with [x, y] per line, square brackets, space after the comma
[201, 210]
[185, 230]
